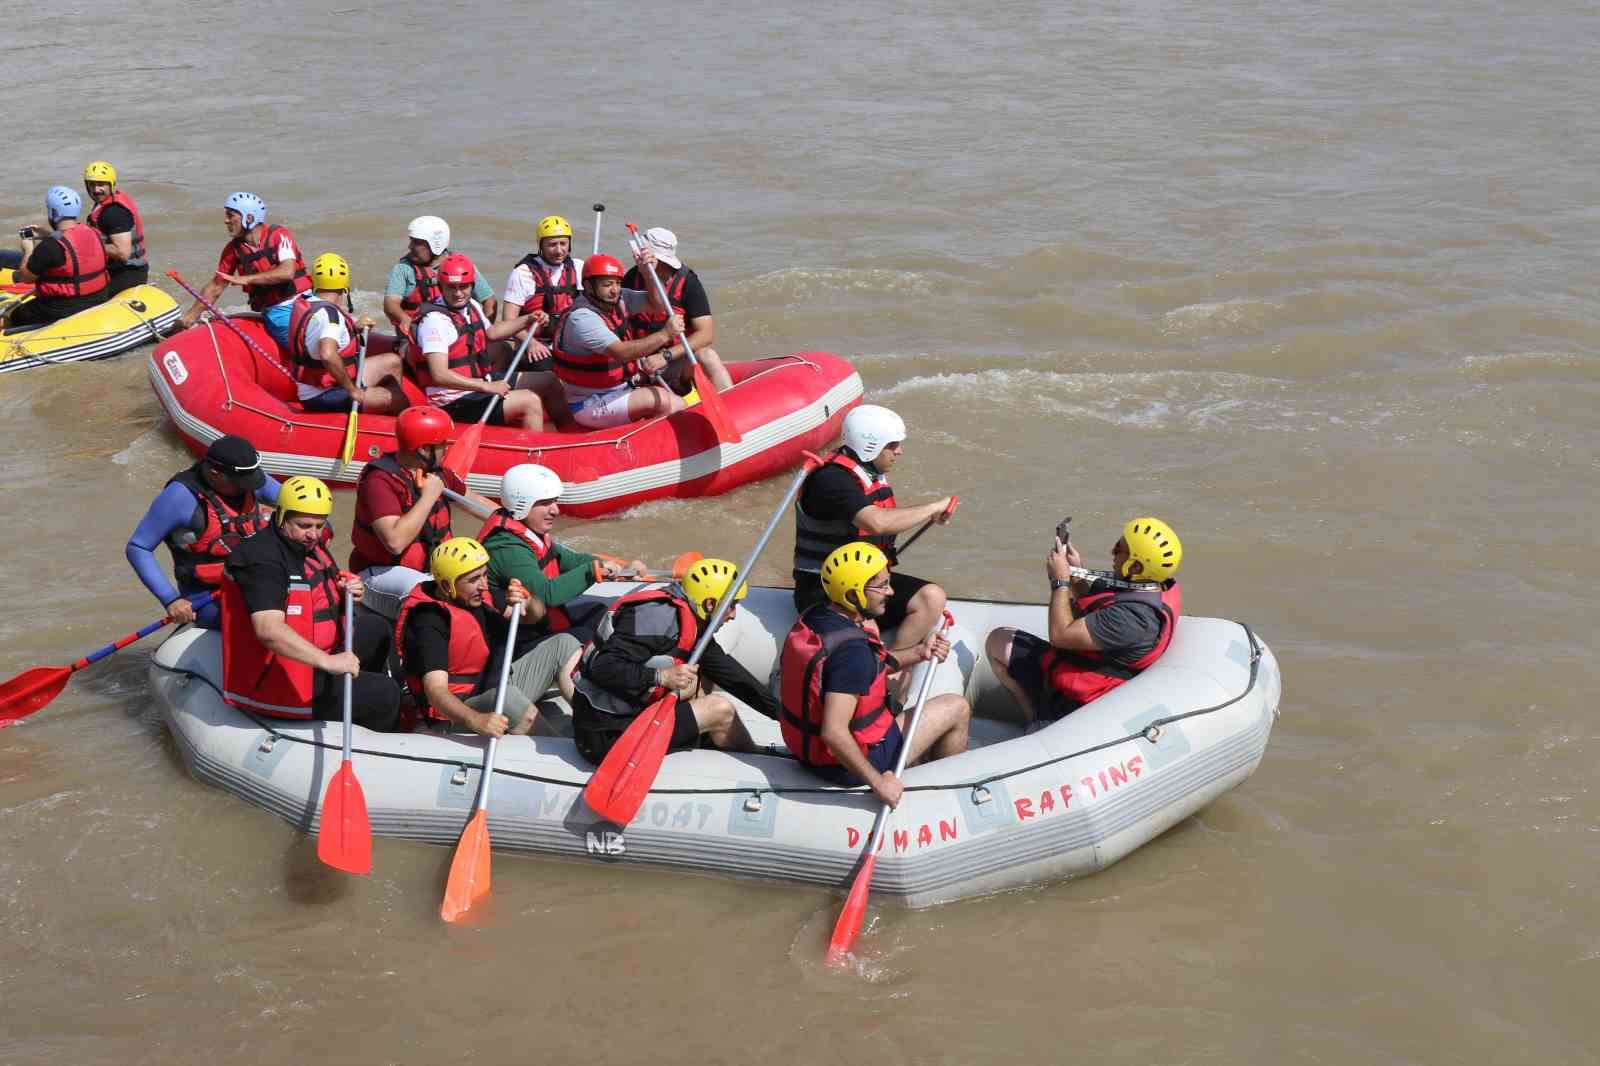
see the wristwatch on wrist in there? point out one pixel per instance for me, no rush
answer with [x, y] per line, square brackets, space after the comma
[1060, 583]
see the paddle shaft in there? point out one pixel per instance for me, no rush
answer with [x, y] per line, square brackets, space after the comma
[349, 682]
[117, 645]
[636, 242]
[511, 371]
[599, 213]
[948, 511]
[500, 706]
[241, 334]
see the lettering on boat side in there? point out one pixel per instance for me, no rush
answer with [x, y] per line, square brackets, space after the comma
[666, 814]
[900, 841]
[175, 368]
[1091, 787]
[605, 843]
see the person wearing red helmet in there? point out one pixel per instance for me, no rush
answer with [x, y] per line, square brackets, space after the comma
[610, 374]
[401, 512]
[458, 351]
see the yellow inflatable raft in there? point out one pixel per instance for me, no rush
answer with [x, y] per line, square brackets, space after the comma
[133, 317]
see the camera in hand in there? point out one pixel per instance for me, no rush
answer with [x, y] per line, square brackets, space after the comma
[28, 232]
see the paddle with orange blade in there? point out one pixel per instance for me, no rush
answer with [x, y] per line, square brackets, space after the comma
[943, 516]
[855, 904]
[469, 870]
[344, 840]
[624, 778]
[464, 452]
[32, 689]
[711, 404]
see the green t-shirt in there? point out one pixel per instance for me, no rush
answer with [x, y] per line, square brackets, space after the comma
[511, 557]
[403, 278]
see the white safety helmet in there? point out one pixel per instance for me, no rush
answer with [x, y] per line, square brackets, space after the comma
[527, 484]
[869, 429]
[430, 228]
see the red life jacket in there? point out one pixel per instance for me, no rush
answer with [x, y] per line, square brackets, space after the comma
[366, 549]
[1081, 676]
[251, 260]
[82, 271]
[308, 366]
[139, 258]
[467, 356]
[199, 561]
[425, 291]
[589, 370]
[469, 650]
[553, 292]
[804, 654]
[816, 538]
[544, 553]
[647, 320]
[688, 632]
[259, 680]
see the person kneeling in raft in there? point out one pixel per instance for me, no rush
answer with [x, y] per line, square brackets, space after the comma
[451, 635]
[638, 656]
[283, 605]
[838, 716]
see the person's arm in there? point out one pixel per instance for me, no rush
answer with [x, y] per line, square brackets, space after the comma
[272, 630]
[212, 289]
[1065, 631]
[401, 282]
[510, 327]
[880, 520]
[116, 232]
[485, 297]
[514, 561]
[283, 270]
[436, 687]
[837, 710]
[268, 492]
[119, 247]
[698, 324]
[619, 665]
[398, 530]
[732, 676]
[39, 256]
[172, 509]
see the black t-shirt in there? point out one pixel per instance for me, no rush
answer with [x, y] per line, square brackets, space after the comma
[833, 493]
[695, 303]
[426, 640]
[115, 219]
[260, 566]
[853, 666]
[47, 255]
[1125, 632]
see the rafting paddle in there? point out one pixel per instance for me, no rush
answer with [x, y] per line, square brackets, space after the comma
[620, 785]
[599, 213]
[344, 839]
[226, 321]
[348, 451]
[464, 452]
[469, 870]
[32, 689]
[855, 904]
[711, 404]
[949, 509]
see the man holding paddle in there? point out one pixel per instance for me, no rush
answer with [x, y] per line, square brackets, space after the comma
[262, 258]
[687, 296]
[325, 345]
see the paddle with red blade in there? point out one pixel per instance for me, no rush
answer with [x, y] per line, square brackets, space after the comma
[855, 904]
[710, 399]
[218, 316]
[344, 839]
[469, 870]
[464, 452]
[624, 778]
[32, 689]
[943, 516]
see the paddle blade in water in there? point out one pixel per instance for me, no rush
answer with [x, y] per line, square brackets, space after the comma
[469, 870]
[715, 411]
[464, 452]
[623, 780]
[855, 909]
[345, 838]
[30, 690]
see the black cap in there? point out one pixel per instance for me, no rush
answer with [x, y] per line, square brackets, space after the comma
[236, 459]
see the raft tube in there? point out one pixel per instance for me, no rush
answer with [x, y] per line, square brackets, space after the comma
[130, 318]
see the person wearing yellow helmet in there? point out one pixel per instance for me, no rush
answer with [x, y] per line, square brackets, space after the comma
[840, 713]
[116, 218]
[283, 603]
[639, 654]
[544, 280]
[1104, 627]
[325, 344]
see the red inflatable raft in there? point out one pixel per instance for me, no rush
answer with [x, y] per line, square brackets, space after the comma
[211, 384]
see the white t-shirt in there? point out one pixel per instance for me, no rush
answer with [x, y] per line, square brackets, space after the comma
[521, 284]
[318, 329]
[436, 333]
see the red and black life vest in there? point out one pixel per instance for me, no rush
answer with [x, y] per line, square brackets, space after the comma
[544, 553]
[260, 680]
[1081, 676]
[683, 647]
[258, 260]
[468, 653]
[366, 549]
[308, 366]
[816, 538]
[648, 320]
[198, 561]
[805, 652]
[554, 291]
[589, 370]
[468, 356]
[82, 270]
[425, 291]
[139, 258]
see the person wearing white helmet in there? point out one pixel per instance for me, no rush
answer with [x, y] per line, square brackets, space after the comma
[689, 301]
[544, 280]
[414, 280]
[261, 258]
[847, 499]
[67, 266]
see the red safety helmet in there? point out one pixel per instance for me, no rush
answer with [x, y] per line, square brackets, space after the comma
[457, 269]
[602, 266]
[418, 426]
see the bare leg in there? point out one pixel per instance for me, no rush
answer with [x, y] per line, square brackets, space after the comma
[716, 716]
[564, 675]
[998, 648]
[712, 363]
[652, 401]
[945, 719]
[922, 614]
[552, 395]
[381, 377]
[523, 409]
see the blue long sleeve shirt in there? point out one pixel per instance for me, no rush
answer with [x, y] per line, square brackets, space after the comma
[170, 511]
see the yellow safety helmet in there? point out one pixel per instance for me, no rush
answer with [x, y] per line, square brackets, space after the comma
[330, 273]
[455, 559]
[709, 579]
[100, 170]
[554, 226]
[1152, 544]
[846, 571]
[303, 495]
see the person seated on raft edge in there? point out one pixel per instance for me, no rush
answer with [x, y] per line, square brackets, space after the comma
[283, 599]
[520, 539]
[67, 267]
[459, 351]
[201, 514]
[639, 655]
[263, 259]
[545, 279]
[839, 717]
[414, 279]
[688, 299]
[325, 345]
[1100, 635]
[116, 218]
[451, 636]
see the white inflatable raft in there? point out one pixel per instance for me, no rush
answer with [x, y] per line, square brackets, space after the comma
[1014, 810]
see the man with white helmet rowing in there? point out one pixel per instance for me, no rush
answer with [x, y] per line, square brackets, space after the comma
[67, 266]
[414, 280]
[544, 280]
[848, 498]
[116, 218]
[325, 345]
[262, 258]
[690, 303]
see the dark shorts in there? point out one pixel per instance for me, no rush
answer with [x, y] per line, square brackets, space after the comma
[469, 408]
[122, 280]
[808, 593]
[595, 732]
[37, 312]
[1026, 667]
[334, 399]
[882, 755]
